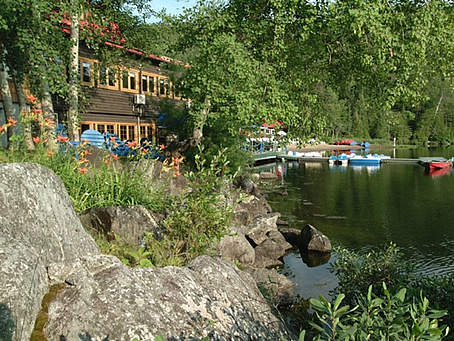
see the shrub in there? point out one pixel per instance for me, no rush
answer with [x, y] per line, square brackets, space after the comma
[196, 219]
[378, 317]
[357, 271]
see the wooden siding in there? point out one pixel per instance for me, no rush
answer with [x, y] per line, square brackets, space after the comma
[117, 118]
[109, 101]
[12, 89]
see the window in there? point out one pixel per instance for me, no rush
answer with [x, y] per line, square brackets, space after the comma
[86, 71]
[131, 133]
[129, 81]
[152, 81]
[123, 133]
[148, 83]
[110, 128]
[84, 127]
[162, 89]
[145, 83]
[107, 78]
[101, 128]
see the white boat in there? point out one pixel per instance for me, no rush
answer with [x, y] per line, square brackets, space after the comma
[369, 159]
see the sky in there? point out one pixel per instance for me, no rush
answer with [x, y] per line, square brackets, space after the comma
[172, 6]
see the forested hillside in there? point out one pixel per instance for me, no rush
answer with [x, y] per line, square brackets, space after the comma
[370, 69]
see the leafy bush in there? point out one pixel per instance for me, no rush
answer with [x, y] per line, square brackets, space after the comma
[356, 272]
[196, 219]
[378, 317]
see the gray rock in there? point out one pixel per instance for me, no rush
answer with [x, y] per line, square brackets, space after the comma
[265, 262]
[42, 242]
[177, 184]
[280, 222]
[258, 230]
[236, 248]
[268, 176]
[38, 227]
[274, 247]
[275, 286]
[210, 298]
[129, 222]
[249, 208]
[151, 168]
[314, 240]
[291, 235]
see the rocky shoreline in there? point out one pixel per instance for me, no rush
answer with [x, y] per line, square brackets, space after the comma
[43, 243]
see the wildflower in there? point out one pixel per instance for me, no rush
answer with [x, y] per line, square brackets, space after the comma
[85, 152]
[115, 156]
[83, 160]
[83, 170]
[107, 162]
[37, 111]
[63, 139]
[11, 121]
[31, 98]
[132, 144]
[112, 139]
[50, 153]
[161, 147]
[2, 128]
[177, 173]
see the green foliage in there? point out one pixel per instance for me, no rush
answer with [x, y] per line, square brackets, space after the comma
[378, 317]
[100, 187]
[196, 219]
[356, 272]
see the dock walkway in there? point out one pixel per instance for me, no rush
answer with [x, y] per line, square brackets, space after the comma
[275, 156]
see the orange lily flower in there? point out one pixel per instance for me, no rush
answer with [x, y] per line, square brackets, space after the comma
[31, 98]
[64, 139]
[83, 170]
[11, 121]
[36, 139]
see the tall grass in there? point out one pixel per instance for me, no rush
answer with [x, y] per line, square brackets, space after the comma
[99, 186]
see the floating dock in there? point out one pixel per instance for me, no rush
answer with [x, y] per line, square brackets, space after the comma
[276, 156]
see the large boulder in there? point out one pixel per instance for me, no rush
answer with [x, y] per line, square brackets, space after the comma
[43, 243]
[250, 207]
[128, 222]
[313, 240]
[257, 231]
[210, 297]
[275, 286]
[38, 227]
[236, 248]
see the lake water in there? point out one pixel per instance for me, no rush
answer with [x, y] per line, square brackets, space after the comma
[369, 206]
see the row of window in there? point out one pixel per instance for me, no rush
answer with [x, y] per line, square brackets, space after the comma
[125, 131]
[128, 80]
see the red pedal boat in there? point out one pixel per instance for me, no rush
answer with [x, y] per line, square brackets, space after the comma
[434, 163]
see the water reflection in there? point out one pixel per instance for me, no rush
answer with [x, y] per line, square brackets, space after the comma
[392, 202]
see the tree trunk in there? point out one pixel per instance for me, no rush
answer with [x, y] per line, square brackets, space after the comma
[7, 102]
[26, 124]
[73, 112]
[197, 134]
[49, 115]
